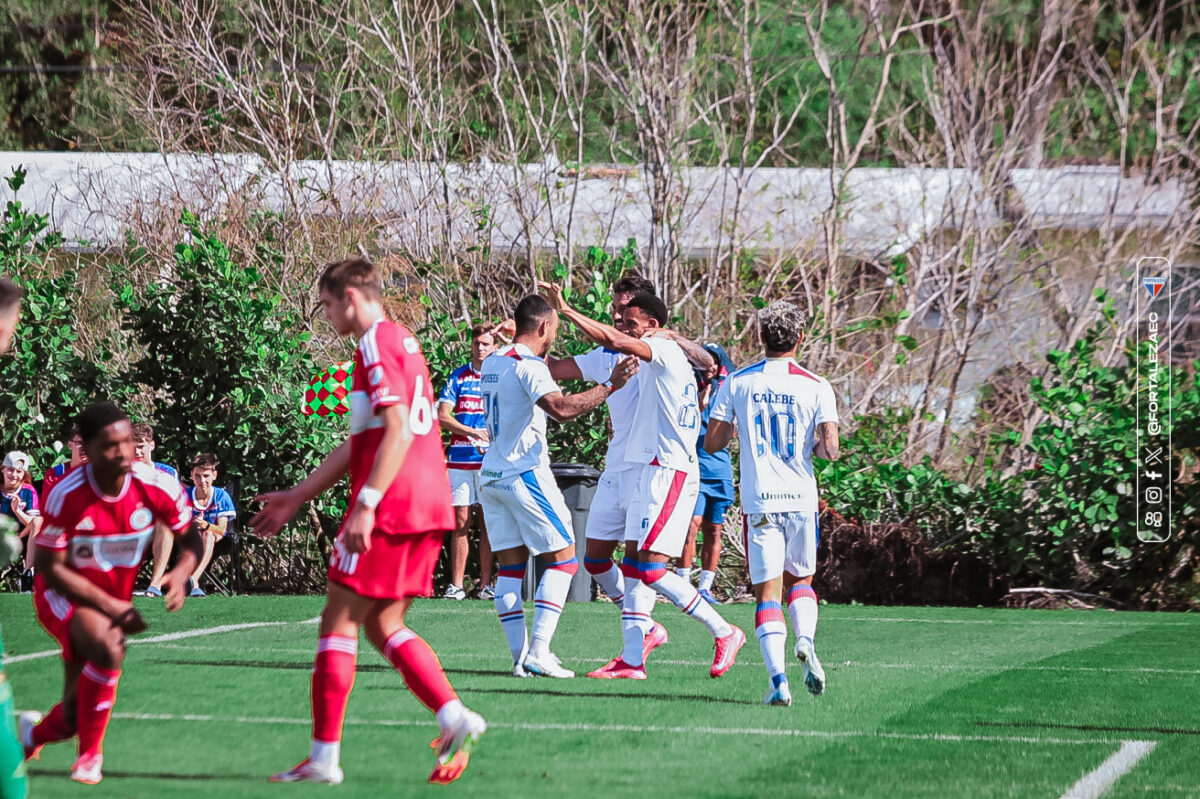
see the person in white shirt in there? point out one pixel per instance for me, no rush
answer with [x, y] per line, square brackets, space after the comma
[784, 415]
[522, 506]
[618, 482]
[662, 446]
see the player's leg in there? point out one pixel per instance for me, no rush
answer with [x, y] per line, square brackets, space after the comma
[160, 548]
[640, 634]
[665, 519]
[101, 646]
[545, 524]
[764, 560]
[13, 783]
[210, 541]
[459, 548]
[711, 529]
[417, 663]
[687, 559]
[58, 724]
[333, 673]
[504, 535]
[606, 528]
[800, 560]
[487, 570]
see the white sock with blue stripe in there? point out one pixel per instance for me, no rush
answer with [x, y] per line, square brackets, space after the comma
[548, 603]
[635, 619]
[686, 598]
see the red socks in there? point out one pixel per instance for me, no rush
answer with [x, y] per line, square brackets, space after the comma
[419, 667]
[95, 696]
[332, 680]
[53, 728]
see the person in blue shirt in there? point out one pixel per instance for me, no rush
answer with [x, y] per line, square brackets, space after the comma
[461, 413]
[212, 507]
[716, 486]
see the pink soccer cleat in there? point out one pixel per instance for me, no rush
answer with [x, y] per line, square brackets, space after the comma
[87, 769]
[454, 746]
[653, 640]
[726, 652]
[618, 669]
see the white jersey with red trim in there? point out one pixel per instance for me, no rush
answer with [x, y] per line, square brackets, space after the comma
[596, 366]
[513, 381]
[667, 421]
[106, 537]
[776, 405]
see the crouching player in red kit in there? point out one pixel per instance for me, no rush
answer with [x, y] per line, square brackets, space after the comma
[390, 539]
[99, 522]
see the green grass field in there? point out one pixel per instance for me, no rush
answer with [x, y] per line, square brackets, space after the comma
[928, 702]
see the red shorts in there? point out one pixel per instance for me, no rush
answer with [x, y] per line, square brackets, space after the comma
[54, 613]
[395, 567]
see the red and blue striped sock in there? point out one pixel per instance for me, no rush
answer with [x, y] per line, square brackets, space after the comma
[511, 610]
[772, 639]
[607, 576]
[802, 605]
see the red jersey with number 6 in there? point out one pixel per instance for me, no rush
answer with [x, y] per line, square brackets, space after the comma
[106, 537]
[389, 369]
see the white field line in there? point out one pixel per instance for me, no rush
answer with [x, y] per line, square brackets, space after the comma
[153, 639]
[1096, 783]
[644, 729]
[498, 658]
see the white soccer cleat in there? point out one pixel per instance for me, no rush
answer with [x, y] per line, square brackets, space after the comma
[779, 697]
[814, 675]
[454, 747]
[307, 771]
[87, 769]
[548, 665]
[25, 724]
[519, 671]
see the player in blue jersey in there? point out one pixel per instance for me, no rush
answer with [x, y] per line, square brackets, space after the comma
[460, 411]
[784, 415]
[213, 509]
[716, 485]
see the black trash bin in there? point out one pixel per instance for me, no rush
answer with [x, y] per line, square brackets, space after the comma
[578, 482]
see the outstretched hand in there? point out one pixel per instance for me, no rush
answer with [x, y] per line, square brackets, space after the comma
[505, 330]
[278, 509]
[623, 371]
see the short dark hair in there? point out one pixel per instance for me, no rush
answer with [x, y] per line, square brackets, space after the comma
[480, 330]
[633, 283]
[96, 417]
[652, 306]
[356, 273]
[205, 460]
[143, 432]
[531, 311]
[780, 326]
[10, 295]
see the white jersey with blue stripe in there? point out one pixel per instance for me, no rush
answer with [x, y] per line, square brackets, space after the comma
[513, 380]
[776, 405]
[596, 366]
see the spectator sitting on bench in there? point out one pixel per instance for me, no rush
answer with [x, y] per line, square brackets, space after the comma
[19, 501]
[212, 507]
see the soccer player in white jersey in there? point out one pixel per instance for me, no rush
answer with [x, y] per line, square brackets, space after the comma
[784, 415]
[522, 505]
[618, 482]
[662, 445]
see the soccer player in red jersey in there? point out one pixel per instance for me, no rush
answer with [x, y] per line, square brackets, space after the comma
[99, 521]
[392, 533]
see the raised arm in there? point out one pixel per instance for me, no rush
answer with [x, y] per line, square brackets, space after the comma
[602, 334]
[564, 369]
[564, 407]
[700, 358]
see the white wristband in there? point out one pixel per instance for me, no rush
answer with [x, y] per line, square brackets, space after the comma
[369, 497]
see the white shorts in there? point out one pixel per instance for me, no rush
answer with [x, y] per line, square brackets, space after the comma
[779, 542]
[464, 487]
[610, 503]
[660, 511]
[526, 510]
